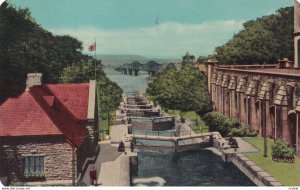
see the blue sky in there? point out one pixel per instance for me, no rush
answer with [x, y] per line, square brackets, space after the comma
[152, 28]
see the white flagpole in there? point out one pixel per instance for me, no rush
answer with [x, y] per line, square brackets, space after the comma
[95, 59]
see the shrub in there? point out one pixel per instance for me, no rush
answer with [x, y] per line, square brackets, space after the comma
[281, 152]
[241, 131]
[215, 122]
[225, 126]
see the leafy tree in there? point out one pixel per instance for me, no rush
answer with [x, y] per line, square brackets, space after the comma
[264, 40]
[225, 126]
[184, 90]
[26, 47]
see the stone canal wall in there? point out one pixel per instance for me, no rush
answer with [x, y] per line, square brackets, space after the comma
[244, 164]
[255, 173]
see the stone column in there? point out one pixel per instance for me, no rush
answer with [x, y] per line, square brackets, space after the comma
[253, 120]
[233, 105]
[297, 135]
[222, 101]
[296, 51]
[211, 64]
[262, 118]
[243, 108]
[275, 123]
[238, 106]
[248, 111]
[232, 97]
[230, 103]
[212, 92]
[268, 119]
[226, 102]
[219, 93]
[285, 128]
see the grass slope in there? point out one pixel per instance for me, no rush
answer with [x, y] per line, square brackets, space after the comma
[191, 116]
[287, 174]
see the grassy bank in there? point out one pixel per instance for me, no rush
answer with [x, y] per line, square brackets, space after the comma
[201, 127]
[286, 173]
[103, 125]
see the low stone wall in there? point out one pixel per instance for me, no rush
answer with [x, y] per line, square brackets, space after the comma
[255, 173]
[166, 125]
[136, 125]
[142, 113]
[189, 147]
[139, 125]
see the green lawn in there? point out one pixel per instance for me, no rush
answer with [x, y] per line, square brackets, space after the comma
[191, 116]
[103, 125]
[286, 173]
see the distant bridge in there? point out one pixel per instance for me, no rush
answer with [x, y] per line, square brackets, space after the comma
[133, 68]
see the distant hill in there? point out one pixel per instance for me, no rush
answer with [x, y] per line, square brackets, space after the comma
[118, 60]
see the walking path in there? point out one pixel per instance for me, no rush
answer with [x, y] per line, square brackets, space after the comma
[113, 167]
[107, 153]
[115, 173]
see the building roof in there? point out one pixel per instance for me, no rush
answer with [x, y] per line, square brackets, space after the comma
[47, 110]
[232, 83]
[73, 96]
[281, 97]
[241, 86]
[264, 93]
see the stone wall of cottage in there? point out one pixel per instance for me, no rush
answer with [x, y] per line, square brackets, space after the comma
[89, 145]
[268, 102]
[57, 152]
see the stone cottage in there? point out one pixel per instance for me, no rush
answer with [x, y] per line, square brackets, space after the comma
[48, 133]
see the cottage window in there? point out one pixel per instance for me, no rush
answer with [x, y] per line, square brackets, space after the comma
[34, 165]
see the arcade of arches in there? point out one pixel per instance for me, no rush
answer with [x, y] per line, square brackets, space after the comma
[265, 98]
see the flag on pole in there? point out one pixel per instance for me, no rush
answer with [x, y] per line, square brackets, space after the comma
[92, 47]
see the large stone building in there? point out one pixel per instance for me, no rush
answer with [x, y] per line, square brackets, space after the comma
[48, 133]
[265, 97]
[296, 33]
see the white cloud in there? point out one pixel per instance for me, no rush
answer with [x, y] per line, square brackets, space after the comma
[164, 40]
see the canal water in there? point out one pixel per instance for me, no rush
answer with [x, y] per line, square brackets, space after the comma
[193, 168]
[131, 83]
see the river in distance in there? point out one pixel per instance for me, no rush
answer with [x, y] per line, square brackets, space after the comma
[192, 168]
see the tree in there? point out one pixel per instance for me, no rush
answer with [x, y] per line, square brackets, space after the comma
[26, 47]
[264, 40]
[184, 90]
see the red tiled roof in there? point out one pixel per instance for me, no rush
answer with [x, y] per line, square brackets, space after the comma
[47, 110]
[24, 116]
[73, 96]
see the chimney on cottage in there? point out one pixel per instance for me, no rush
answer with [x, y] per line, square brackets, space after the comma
[33, 79]
[285, 63]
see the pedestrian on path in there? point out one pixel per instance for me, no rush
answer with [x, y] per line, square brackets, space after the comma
[121, 147]
[131, 146]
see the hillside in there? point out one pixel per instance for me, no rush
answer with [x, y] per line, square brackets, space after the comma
[117, 60]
